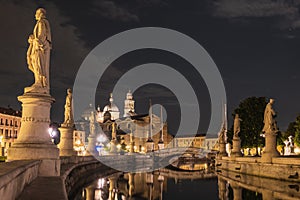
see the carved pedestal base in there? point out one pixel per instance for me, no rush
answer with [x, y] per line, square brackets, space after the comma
[91, 147]
[161, 145]
[66, 141]
[149, 145]
[236, 148]
[113, 146]
[222, 150]
[131, 148]
[270, 149]
[34, 142]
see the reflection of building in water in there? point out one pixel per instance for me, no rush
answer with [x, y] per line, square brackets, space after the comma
[10, 123]
[142, 185]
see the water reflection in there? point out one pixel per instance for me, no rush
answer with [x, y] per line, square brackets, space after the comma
[238, 186]
[125, 186]
[157, 185]
[172, 183]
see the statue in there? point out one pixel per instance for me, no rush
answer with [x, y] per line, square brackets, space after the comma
[69, 121]
[269, 121]
[222, 135]
[38, 53]
[236, 126]
[92, 123]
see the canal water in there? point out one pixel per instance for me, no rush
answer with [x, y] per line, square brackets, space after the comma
[172, 184]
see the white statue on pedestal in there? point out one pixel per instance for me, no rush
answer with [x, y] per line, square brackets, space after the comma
[38, 53]
[269, 121]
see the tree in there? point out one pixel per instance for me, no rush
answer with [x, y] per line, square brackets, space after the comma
[297, 131]
[251, 112]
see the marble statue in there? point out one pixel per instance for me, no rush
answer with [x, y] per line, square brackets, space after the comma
[92, 123]
[69, 121]
[236, 126]
[269, 121]
[38, 53]
[222, 136]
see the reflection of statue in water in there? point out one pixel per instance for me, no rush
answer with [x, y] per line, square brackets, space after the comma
[38, 53]
[269, 121]
[69, 121]
[236, 126]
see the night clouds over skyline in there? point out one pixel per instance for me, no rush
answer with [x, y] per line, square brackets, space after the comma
[255, 44]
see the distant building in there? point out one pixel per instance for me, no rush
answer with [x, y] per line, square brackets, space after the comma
[131, 123]
[79, 142]
[10, 123]
[196, 141]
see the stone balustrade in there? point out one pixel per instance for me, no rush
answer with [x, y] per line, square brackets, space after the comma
[15, 175]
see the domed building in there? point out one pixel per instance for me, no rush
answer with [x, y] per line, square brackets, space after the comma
[112, 109]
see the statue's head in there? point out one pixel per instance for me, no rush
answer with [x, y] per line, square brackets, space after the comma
[69, 91]
[40, 13]
[272, 101]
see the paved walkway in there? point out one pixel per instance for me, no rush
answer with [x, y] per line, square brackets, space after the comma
[44, 188]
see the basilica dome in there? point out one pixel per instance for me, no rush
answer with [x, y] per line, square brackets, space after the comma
[112, 108]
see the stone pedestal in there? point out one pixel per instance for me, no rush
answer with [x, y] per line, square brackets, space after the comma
[236, 148]
[66, 141]
[131, 147]
[222, 150]
[161, 145]
[113, 146]
[34, 142]
[91, 147]
[270, 148]
[150, 145]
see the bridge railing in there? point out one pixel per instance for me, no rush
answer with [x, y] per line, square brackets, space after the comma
[15, 175]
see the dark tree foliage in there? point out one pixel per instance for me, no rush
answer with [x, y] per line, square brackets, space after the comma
[297, 131]
[251, 112]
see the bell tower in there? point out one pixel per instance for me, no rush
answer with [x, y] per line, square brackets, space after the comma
[128, 104]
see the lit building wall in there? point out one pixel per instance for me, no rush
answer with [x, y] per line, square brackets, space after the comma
[10, 123]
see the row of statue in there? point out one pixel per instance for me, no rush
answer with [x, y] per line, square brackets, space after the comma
[270, 125]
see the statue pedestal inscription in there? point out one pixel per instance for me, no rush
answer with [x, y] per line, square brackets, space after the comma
[34, 142]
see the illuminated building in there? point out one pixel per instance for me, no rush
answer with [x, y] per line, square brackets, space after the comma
[10, 123]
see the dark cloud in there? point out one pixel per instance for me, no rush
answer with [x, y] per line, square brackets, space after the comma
[112, 10]
[285, 11]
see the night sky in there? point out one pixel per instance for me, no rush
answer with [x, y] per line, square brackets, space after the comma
[254, 43]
